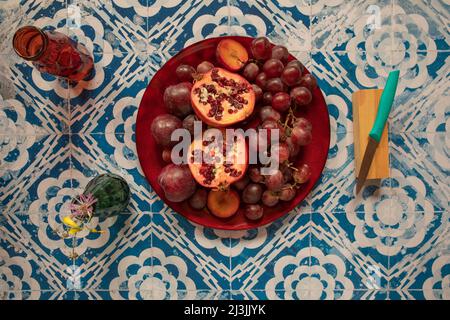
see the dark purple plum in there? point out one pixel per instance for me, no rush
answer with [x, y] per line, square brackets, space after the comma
[177, 182]
[185, 72]
[177, 99]
[188, 123]
[162, 128]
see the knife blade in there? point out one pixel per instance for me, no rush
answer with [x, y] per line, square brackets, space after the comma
[384, 108]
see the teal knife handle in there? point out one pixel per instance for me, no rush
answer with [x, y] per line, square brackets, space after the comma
[384, 107]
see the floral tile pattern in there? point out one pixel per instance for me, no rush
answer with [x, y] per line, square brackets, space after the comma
[389, 242]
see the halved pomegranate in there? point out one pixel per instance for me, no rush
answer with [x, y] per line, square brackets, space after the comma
[221, 98]
[216, 162]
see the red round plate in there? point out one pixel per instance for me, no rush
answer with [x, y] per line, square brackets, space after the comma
[315, 154]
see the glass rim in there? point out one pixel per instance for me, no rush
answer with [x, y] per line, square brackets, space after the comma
[40, 52]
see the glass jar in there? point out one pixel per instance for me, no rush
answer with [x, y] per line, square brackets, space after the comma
[53, 52]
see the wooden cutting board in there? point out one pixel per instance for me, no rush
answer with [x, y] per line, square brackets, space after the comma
[365, 107]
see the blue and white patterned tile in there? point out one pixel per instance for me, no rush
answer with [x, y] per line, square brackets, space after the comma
[314, 295]
[159, 294]
[362, 295]
[44, 96]
[33, 255]
[118, 260]
[284, 22]
[174, 25]
[419, 171]
[14, 14]
[347, 254]
[352, 25]
[26, 95]
[108, 101]
[419, 295]
[116, 153]
[29, 295]
[273, 259]
[421, 25]
[109, 26]
[419, 251]
[336, 186]
[423, 105]
[340, 74]
[188, 257]
[119, 294]
[35, 174]
[18, 272]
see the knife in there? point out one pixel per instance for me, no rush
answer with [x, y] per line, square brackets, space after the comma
[384, 107]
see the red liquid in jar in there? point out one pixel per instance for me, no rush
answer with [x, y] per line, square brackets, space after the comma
[53, 52]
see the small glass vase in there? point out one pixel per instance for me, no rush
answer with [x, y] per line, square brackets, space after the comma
[111, 192]
[53, 52]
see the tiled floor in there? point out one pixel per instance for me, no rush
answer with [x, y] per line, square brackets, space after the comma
[391, 242]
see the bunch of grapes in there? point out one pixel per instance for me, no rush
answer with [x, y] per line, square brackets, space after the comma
[282, 89]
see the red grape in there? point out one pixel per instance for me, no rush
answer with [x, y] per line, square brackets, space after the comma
[273, 68]
[255, 175]
[241, 183]
[269, 198]
[261, 80]
[177, 182]
[297, 64]
[166, 155]
[274, 181]
[287, 173]
[258, 92]
[294, 148]
[301, 95]
[280, 53]
[252, 193]
[204, 67]
[308, 81]
[303, 173]
[270, 125]
[260, 48]
[177, 99]
[287, 193]
[303, 123]
[282, 149]
[253, 212]
[281, 101]
[291, 75]
[184, 72]
[300, 136]
[198, 199]
[267, 98]
[162, 128]
[267, 112]
[260, 146]
[275, 85]
[250, 72]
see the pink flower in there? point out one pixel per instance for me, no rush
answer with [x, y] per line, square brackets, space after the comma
[82, 207]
